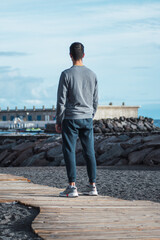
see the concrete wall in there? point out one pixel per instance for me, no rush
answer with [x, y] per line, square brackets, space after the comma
[116, 111]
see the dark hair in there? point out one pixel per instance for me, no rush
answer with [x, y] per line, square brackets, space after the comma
[77, 50]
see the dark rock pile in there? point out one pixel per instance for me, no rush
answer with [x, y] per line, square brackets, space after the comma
[122, 124]
[122, 149]
[118, 125]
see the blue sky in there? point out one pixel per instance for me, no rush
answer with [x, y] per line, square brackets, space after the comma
[122, 45]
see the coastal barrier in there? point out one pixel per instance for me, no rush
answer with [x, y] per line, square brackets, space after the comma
[120, 149]
[117, 125]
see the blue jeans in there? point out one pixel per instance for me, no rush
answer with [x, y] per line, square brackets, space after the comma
[71, 129]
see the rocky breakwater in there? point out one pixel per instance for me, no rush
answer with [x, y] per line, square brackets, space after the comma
[121, 149]
[118, 125]
[122, 124]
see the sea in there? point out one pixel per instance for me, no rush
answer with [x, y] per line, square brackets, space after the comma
[157, 122]
[14, 133]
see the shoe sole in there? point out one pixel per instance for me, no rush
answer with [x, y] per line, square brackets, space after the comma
[90, 194]
[69, 195]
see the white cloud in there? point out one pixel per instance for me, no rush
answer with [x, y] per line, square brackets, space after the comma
[33, 102]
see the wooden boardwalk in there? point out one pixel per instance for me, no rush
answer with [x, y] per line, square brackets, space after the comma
[84, 217]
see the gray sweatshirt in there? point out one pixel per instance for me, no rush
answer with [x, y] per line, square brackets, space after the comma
[77, 96]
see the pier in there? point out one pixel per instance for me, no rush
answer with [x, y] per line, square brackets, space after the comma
[85, 217]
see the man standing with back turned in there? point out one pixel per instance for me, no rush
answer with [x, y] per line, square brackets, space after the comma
[77, 101]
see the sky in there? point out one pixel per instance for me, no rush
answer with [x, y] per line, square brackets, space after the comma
[122, 46]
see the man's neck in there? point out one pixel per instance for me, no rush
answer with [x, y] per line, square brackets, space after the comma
[78, 63]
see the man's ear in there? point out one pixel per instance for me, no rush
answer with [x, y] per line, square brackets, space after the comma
[70, 55]
[83, 55]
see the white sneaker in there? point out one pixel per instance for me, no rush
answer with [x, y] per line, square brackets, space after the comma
[69, 192]
[91, 190]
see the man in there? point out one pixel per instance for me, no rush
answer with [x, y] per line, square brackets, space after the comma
[77, 101]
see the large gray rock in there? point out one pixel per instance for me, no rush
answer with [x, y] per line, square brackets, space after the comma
[9, 159]
[23, 146]
[112, 151]
[128, 128]
[132, 142]
[124, 123]
[130, 149]
[153, 158]
[56, 137]
[110, 162]
[121, 161]
[141, 126]
[119, 125]
[137, 157]
[155, 138]
[36, 160]
[56, 161]
[43, 147]
[3, 155]
[148, 126]
[54, 152]
[110, 125]
[154, 144]
[7, 147]
[104, 144]
[24, 155]
[97, 130]
[134, 127]
[8, 140]
[123, 138]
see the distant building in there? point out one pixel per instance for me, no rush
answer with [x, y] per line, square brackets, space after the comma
[34, 114]
[111, 111]
[49, 114]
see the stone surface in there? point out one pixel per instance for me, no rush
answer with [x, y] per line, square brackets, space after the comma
[7, 147]
[109, 162]
[137, 157]
[155, 138]
[40, 147]
[153, 158]
[9, 159]
[22, 157]
[3, 155]
[23, 146]
[122, 161]
[122, 124]
[16, 220]
[110, 148]
[130, 149]
[56, 161]
[53, 152]
[36, 160]
[8, 140]
[154, 144]
[112, 151]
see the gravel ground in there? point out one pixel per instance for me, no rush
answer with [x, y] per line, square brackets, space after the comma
[125, 182]
[16, 220]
